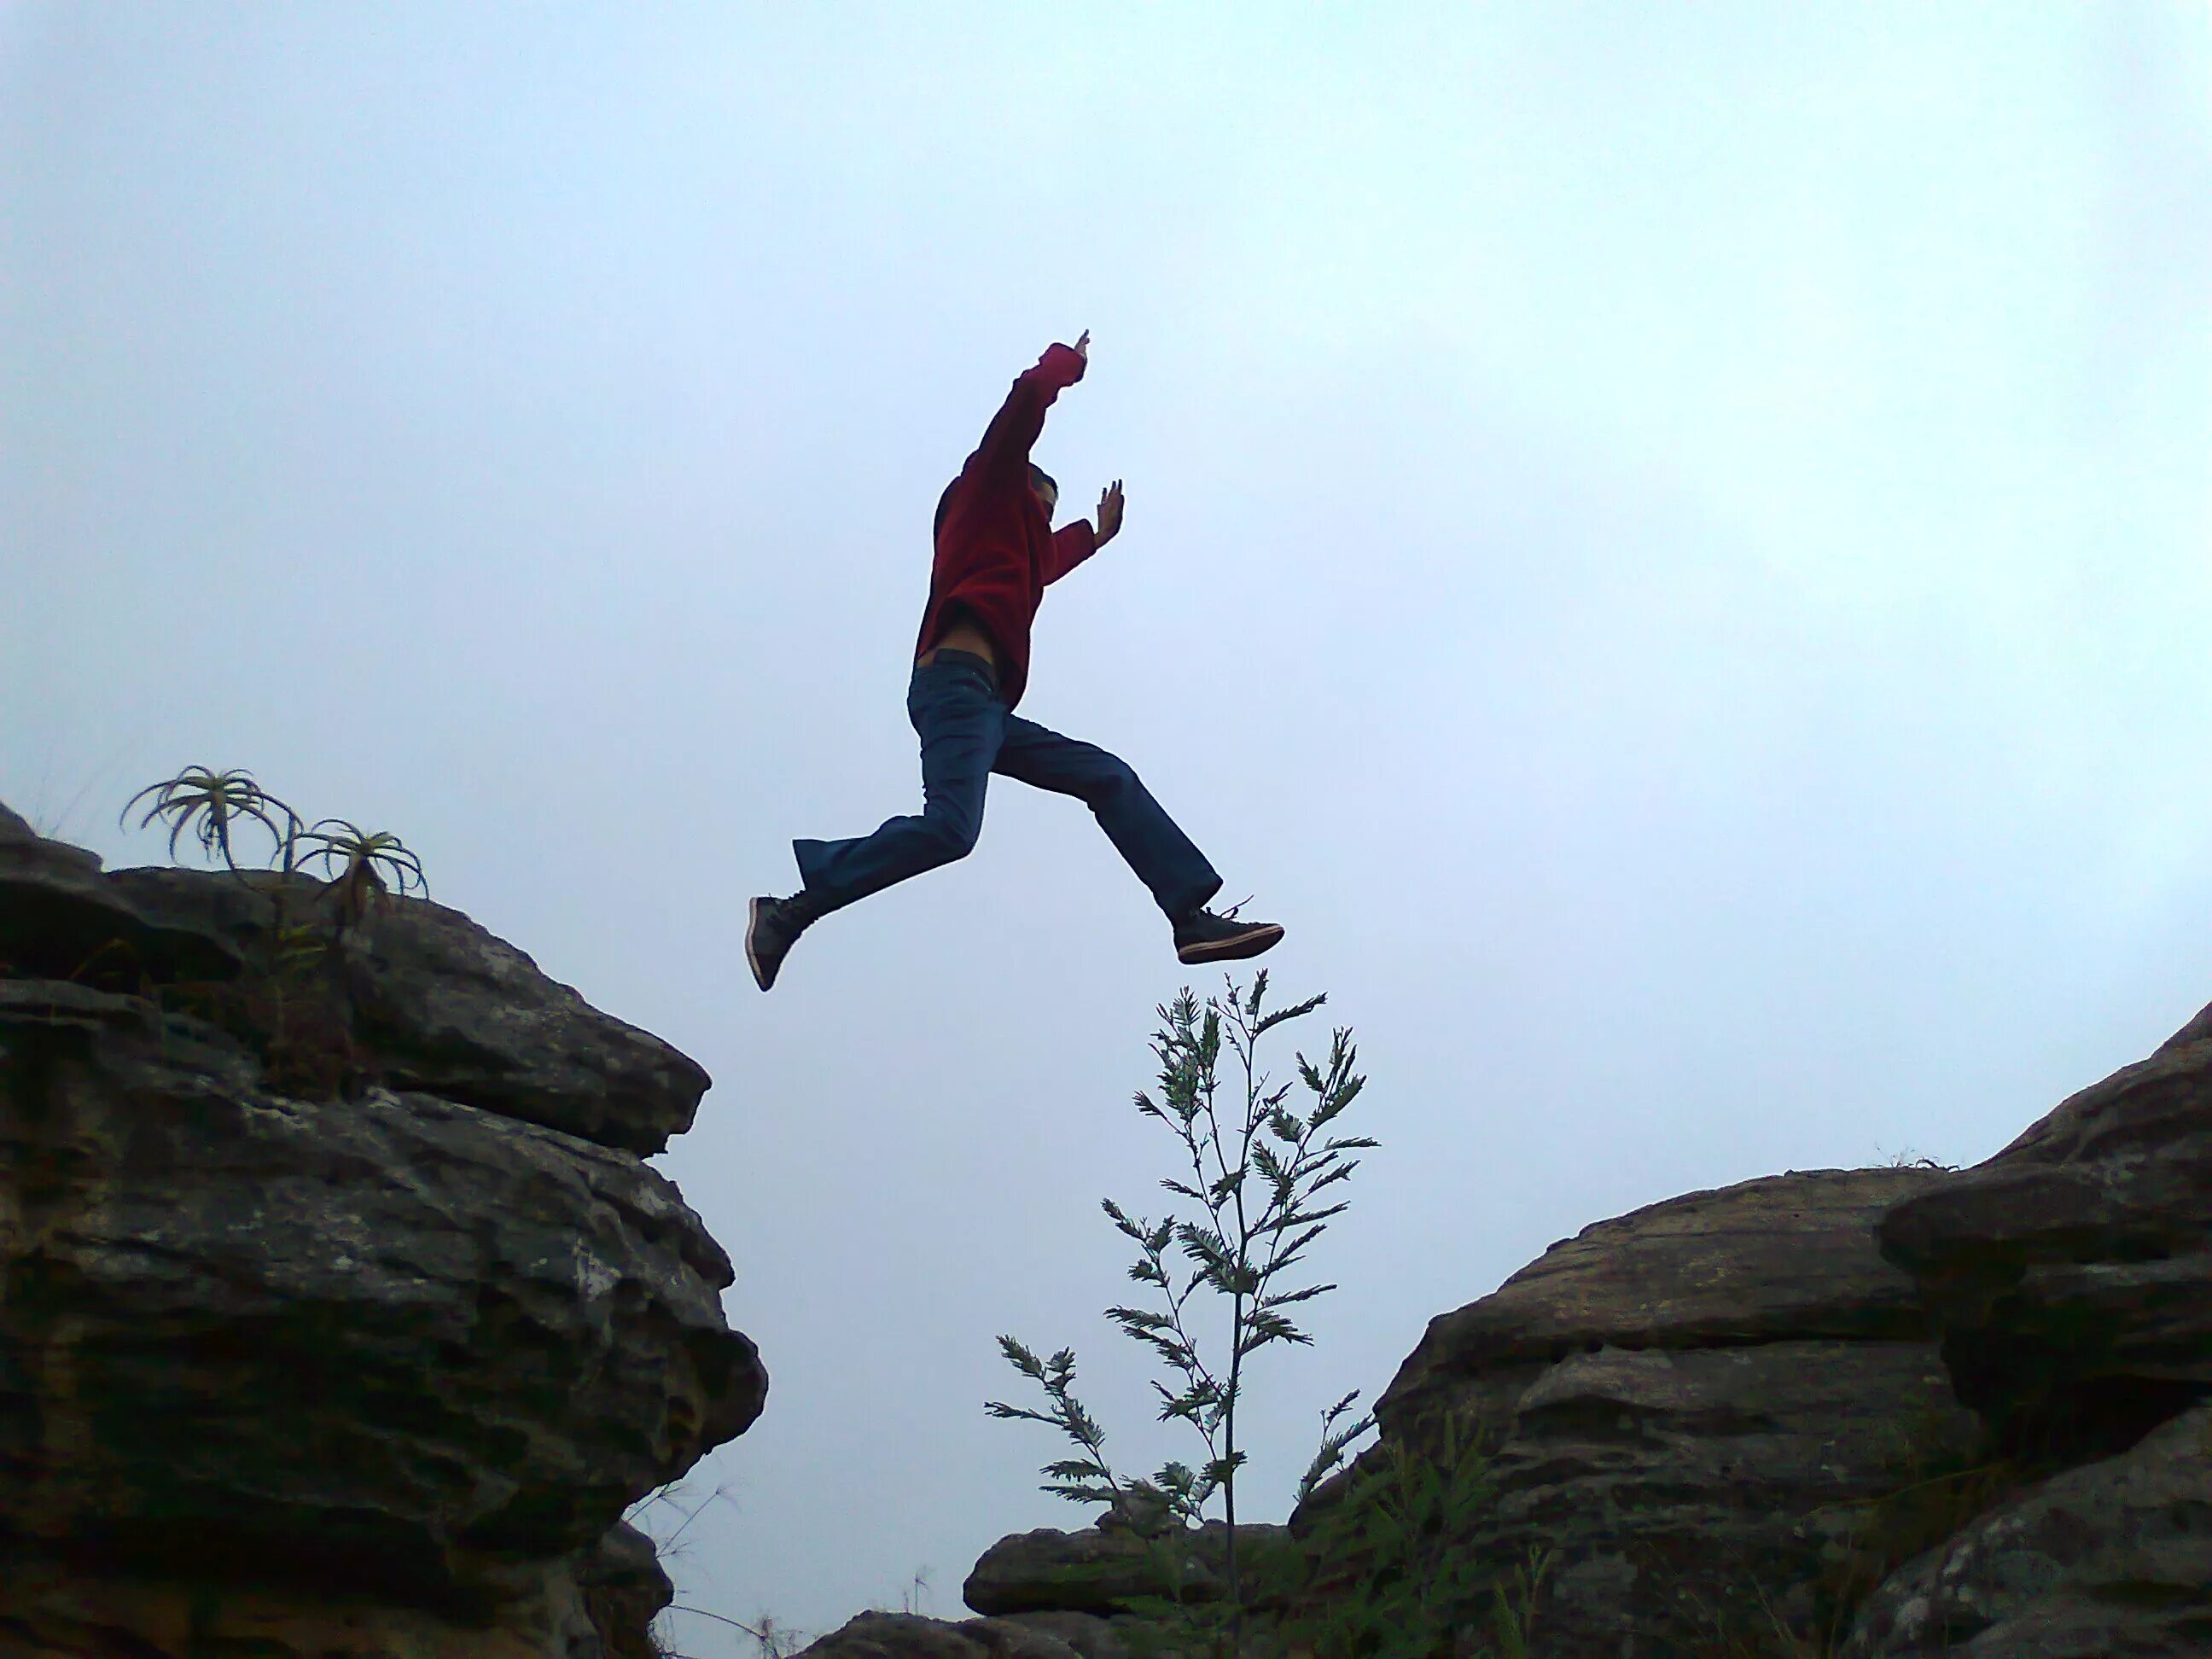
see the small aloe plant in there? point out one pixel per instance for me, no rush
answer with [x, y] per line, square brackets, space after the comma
[212, 805]
[359, 856]
[365, 850]
[299, 1002]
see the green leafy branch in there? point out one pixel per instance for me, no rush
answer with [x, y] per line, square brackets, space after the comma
[1264, 1178]
[1388, 1571]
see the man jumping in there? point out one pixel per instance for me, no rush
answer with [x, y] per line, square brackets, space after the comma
[996, 552]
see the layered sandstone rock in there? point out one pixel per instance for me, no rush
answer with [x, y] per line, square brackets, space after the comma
[1888, 1413]
[438, 1005]
[1688, 1410]
[1104, 1570]
[909, 1636]
[2113, 1557]
[1092, 1593]
[374, 1367]
[2072, 1275]
[2073, 1271]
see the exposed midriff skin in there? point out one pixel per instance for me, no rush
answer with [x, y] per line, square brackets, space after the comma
[961, 635]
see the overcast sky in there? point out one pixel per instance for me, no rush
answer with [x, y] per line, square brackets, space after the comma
[1668, 546]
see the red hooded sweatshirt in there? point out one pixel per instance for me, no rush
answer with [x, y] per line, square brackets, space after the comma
[996, 550]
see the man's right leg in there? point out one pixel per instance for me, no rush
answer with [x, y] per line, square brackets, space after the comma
[1164, 857]
[956, 711]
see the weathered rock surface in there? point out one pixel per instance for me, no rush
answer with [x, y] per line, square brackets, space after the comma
[1735, 1423]
[1092, 1636]
[1676, 1491]
[1784, 1257]
[624, 1590]
[1688, 1407]
[301, 1373]
[908, 1636]
[2073, 1271]
[1101, 1572]
[61, 918]
[487, 1332]
[439, 1005]
[552, 1610]
[2112, 1557]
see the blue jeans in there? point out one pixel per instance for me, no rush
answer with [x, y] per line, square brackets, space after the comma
[967, 734]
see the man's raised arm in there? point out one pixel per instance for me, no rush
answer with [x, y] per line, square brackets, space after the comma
[1014, 429]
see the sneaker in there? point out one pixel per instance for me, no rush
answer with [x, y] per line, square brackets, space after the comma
[1202, 936]
[774, 926]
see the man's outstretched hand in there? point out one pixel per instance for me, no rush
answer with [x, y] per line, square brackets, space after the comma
[1083, 346]
[1109, 513]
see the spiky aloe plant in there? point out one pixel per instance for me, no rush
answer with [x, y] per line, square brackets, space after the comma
[1258, 1172]
[360, 855]
[365, 849]
[211, 803]
[300, 951]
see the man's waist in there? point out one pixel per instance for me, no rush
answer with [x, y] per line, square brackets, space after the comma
[949, 656]
[960, 632]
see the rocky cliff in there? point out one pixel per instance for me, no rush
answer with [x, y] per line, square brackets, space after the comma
[339, 1316]
[338, 1312]
[1881, 1413]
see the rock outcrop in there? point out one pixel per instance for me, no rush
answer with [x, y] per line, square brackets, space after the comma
[1054, 1595]
[909, 1636]
[2072, 1276]
[1688, 1410]
[1106, 1570]
[338, 1315]
[2073, 1271]
[62, 918]
[2113, 1557]
[437, 1005]
[1881, 1413]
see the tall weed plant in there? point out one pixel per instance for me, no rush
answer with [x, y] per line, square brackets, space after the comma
[1259, 1183]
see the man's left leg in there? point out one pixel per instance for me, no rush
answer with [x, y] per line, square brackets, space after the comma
[1149, 840]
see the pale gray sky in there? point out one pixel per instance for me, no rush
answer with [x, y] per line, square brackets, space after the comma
[1668, 545]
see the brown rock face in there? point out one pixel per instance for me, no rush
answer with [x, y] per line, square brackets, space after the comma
[1881, 1413]
[60, 917]
[2073, 1271]
[1101, 1572]
[433, 1003]
[1791, 1256]
[297, 1373]
[2114, 1557]
[908, 1636]
[1689, 1408]
[49, 1608]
